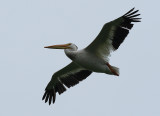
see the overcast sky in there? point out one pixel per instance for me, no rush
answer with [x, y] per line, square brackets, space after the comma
[26, 26]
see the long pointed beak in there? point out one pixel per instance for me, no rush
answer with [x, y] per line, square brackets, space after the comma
[63, 46]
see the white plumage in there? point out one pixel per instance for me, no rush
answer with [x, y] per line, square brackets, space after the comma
[93, 58]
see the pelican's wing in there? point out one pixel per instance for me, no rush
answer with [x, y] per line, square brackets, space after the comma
[113, 34]
[68, 76]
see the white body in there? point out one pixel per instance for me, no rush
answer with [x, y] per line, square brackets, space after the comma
[88, 61]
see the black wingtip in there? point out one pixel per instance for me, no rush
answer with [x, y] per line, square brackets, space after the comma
[44, 95]
[130, 11]
[49, 96]
[131, 16]
[50, 99]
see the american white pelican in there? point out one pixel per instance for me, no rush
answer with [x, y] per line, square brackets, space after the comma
[93, 58]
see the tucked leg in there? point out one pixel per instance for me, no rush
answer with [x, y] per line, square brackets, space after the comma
[112, 70]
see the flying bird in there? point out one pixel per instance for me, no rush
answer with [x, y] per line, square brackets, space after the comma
[93, 58]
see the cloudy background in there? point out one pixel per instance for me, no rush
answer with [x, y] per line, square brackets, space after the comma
[26, 26]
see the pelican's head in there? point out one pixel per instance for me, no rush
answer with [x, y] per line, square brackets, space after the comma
[63, 46]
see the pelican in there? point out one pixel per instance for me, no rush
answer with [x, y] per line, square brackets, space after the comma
[93, 58]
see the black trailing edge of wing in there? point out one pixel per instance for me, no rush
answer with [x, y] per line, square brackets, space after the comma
[123, 29]
[68, 81]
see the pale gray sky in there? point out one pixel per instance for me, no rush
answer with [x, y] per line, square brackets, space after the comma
[26, 26]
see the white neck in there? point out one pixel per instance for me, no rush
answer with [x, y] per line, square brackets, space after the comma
[71, 52]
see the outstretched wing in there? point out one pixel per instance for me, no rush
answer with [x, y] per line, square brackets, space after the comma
[68, 76]
[113, 34]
